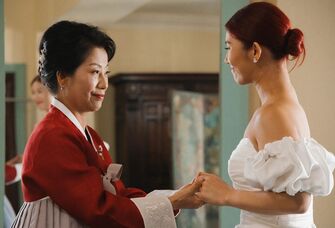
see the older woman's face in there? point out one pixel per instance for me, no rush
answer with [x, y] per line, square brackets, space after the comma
[40, 95]
[85, 90]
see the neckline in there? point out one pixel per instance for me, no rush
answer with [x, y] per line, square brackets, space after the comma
[61, 107]
[290, 138]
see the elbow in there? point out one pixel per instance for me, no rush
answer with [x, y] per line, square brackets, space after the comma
[303, 200]
[302, 208]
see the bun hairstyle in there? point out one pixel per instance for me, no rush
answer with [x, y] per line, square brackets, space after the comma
[64, 47]
[294, 42]
[266, 24]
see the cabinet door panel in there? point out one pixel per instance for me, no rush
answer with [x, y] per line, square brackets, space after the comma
[143, 124]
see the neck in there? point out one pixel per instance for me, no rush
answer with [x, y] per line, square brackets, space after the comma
[273, 82]
[79, 116]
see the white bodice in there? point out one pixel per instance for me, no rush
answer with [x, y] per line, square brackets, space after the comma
[285, 165]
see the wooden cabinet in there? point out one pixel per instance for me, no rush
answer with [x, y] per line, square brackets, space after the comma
[143, 124]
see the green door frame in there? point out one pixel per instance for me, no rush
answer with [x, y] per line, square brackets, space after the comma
[20, 99]
[234, 111]
[20, 103]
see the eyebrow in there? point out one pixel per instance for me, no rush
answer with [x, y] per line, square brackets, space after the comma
[98, 65]
[227, 42]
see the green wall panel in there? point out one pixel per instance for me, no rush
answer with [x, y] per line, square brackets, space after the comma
[234, 111]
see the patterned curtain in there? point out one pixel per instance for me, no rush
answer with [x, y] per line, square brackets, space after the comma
[195, 124]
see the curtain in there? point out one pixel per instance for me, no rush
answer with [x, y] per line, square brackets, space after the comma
[195, 126]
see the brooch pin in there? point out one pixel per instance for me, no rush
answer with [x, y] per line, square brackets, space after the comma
[100, 152]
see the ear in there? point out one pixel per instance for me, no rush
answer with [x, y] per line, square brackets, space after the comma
[61, 79]
[255, 52]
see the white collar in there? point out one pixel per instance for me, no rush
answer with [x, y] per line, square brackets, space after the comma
[61, 107]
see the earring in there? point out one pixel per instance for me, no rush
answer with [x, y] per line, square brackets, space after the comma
[61, 88]
[255, 60]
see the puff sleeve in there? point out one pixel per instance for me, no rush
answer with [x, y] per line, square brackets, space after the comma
[292, 166]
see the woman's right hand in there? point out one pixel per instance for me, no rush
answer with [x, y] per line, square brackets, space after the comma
[185, 197]
[213, 190]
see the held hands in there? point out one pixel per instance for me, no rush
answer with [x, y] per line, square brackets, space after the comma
[206, 188]
[185, 197]
[213, 189]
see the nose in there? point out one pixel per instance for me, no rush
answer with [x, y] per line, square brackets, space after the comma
[103, 81]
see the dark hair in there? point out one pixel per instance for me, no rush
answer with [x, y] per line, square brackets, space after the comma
[266, 24]
[37, 78]
[64, 47]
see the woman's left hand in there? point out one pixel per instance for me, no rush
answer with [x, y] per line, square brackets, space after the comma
[213, 190]
[185, 197]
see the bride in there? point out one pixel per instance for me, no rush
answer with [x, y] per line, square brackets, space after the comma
[277, 167]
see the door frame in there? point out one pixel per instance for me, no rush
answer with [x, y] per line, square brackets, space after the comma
[2, 110]
[19, 71]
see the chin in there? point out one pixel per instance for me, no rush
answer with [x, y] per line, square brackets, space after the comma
[96, 108]
[240, 80]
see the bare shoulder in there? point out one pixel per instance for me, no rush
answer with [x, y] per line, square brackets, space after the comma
[279, 119]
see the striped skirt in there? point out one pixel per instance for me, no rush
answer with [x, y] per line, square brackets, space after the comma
[44, 213]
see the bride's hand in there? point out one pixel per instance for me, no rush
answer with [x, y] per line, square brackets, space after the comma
[186, 198]
[213, 189]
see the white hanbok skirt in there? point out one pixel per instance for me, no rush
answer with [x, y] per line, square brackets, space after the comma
[44, 213]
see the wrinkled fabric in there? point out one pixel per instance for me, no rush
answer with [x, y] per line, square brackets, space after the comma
[285, 165]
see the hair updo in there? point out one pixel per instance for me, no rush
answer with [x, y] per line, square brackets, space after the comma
[64, 47]
[294, 42]
[267, 25]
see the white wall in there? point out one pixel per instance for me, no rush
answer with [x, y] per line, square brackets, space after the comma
[315, 80]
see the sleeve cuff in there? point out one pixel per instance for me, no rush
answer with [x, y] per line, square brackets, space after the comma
[18, 169]
[156, 211]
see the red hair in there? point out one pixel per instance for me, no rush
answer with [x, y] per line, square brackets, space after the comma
[267, 25]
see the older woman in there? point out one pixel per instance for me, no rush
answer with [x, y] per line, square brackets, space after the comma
[68, 178]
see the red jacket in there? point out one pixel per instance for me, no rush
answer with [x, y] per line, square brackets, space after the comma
[60, 163]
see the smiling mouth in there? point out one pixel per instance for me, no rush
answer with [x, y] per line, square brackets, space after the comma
[99, 96]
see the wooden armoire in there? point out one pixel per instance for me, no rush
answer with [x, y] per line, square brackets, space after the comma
[143, 123]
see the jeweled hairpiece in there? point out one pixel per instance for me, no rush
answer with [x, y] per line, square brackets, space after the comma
[41, 59]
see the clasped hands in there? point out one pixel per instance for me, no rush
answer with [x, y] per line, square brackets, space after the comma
[205, 188]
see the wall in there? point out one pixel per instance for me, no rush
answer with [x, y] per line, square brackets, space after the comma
[315, 80]
[20, 43]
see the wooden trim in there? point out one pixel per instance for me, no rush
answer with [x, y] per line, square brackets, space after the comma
[2, 109]
[152, 77]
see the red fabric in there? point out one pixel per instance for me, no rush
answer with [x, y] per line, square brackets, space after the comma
[60, 163]
[10, 173]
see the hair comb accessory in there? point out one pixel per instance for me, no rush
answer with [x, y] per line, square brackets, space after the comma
[41, 60]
